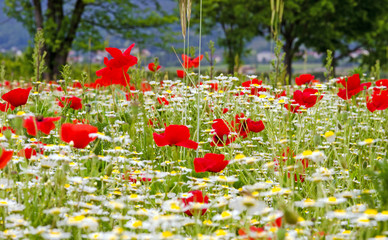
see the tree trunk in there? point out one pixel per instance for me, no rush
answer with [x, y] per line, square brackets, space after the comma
[38, 14]
[334, 65]
[57, 54]
[288, 62]
[55, 61]
[230, 60]
[289, 55]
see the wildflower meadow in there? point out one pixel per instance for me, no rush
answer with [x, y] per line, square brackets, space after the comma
[135, 156]
[135, 150]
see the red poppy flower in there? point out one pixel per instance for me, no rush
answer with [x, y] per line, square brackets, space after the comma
[300, 176]
[256, 232]
[145, 87]
[3, 129]
[180, 73]
[111, 76]
[297, 177]
[45, 125]
[6, 84]
[303, 79]
[288, 154]
[153, 68]
[307, 98]
[5, 157]
[225, 110]
[195, 61]
[73, 102]
[214, 86]
[83, 121]
[293, 107]
[121, 59]
[382, 82]
[285, 155]
[382, 87]
[377, 102]
[177, 135]
[116, 69]
[253, 231]
[248, 84]
[28, 152]
[163, 100]
[244, 126]
[197, 197]
[150, 123]
[222, 131]
[278, 222]
[77, 85]
[211, 162]
[17, 97]
[78, 134]
[189, 62]
[282, 94]
[130, 177]
[254, 86]
[255, 126]
[5, 106]
[130, 94]
[240, 125]
[352, 86]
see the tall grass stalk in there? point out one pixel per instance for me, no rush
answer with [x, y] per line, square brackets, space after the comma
[199, 72]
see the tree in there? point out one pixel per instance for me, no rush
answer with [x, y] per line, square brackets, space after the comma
[338, 25]
[376, 43]
[240, 21]
[345, 27]
[73, 23]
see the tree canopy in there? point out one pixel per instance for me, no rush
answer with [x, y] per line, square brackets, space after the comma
[341, 26]
[74, 23]
[240, 21]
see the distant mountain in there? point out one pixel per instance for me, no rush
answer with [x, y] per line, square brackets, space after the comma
[12, 33]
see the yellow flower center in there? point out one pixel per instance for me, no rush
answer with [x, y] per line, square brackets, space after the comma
[137, 224]
[225, 214]
[166, 234]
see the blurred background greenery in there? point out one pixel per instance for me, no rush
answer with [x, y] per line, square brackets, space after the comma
[77, 31]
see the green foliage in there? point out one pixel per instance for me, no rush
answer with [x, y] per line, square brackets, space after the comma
[240, 22]
[277, 75]
[381, 182]
[277, 8]
[376, 43]
[210, 58]
[17, 67]
[80, 24]
[329, 67]
[346, 22]
[375, 71]
[39, 55]
[2, 72]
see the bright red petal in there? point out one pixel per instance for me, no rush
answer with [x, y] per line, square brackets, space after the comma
[160, 140]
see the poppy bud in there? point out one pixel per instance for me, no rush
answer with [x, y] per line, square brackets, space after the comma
[290, 216]
[60, 177]
[108, 170]
[7, 135]
[88, 107]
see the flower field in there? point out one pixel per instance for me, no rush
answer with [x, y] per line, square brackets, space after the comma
[135, 156]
